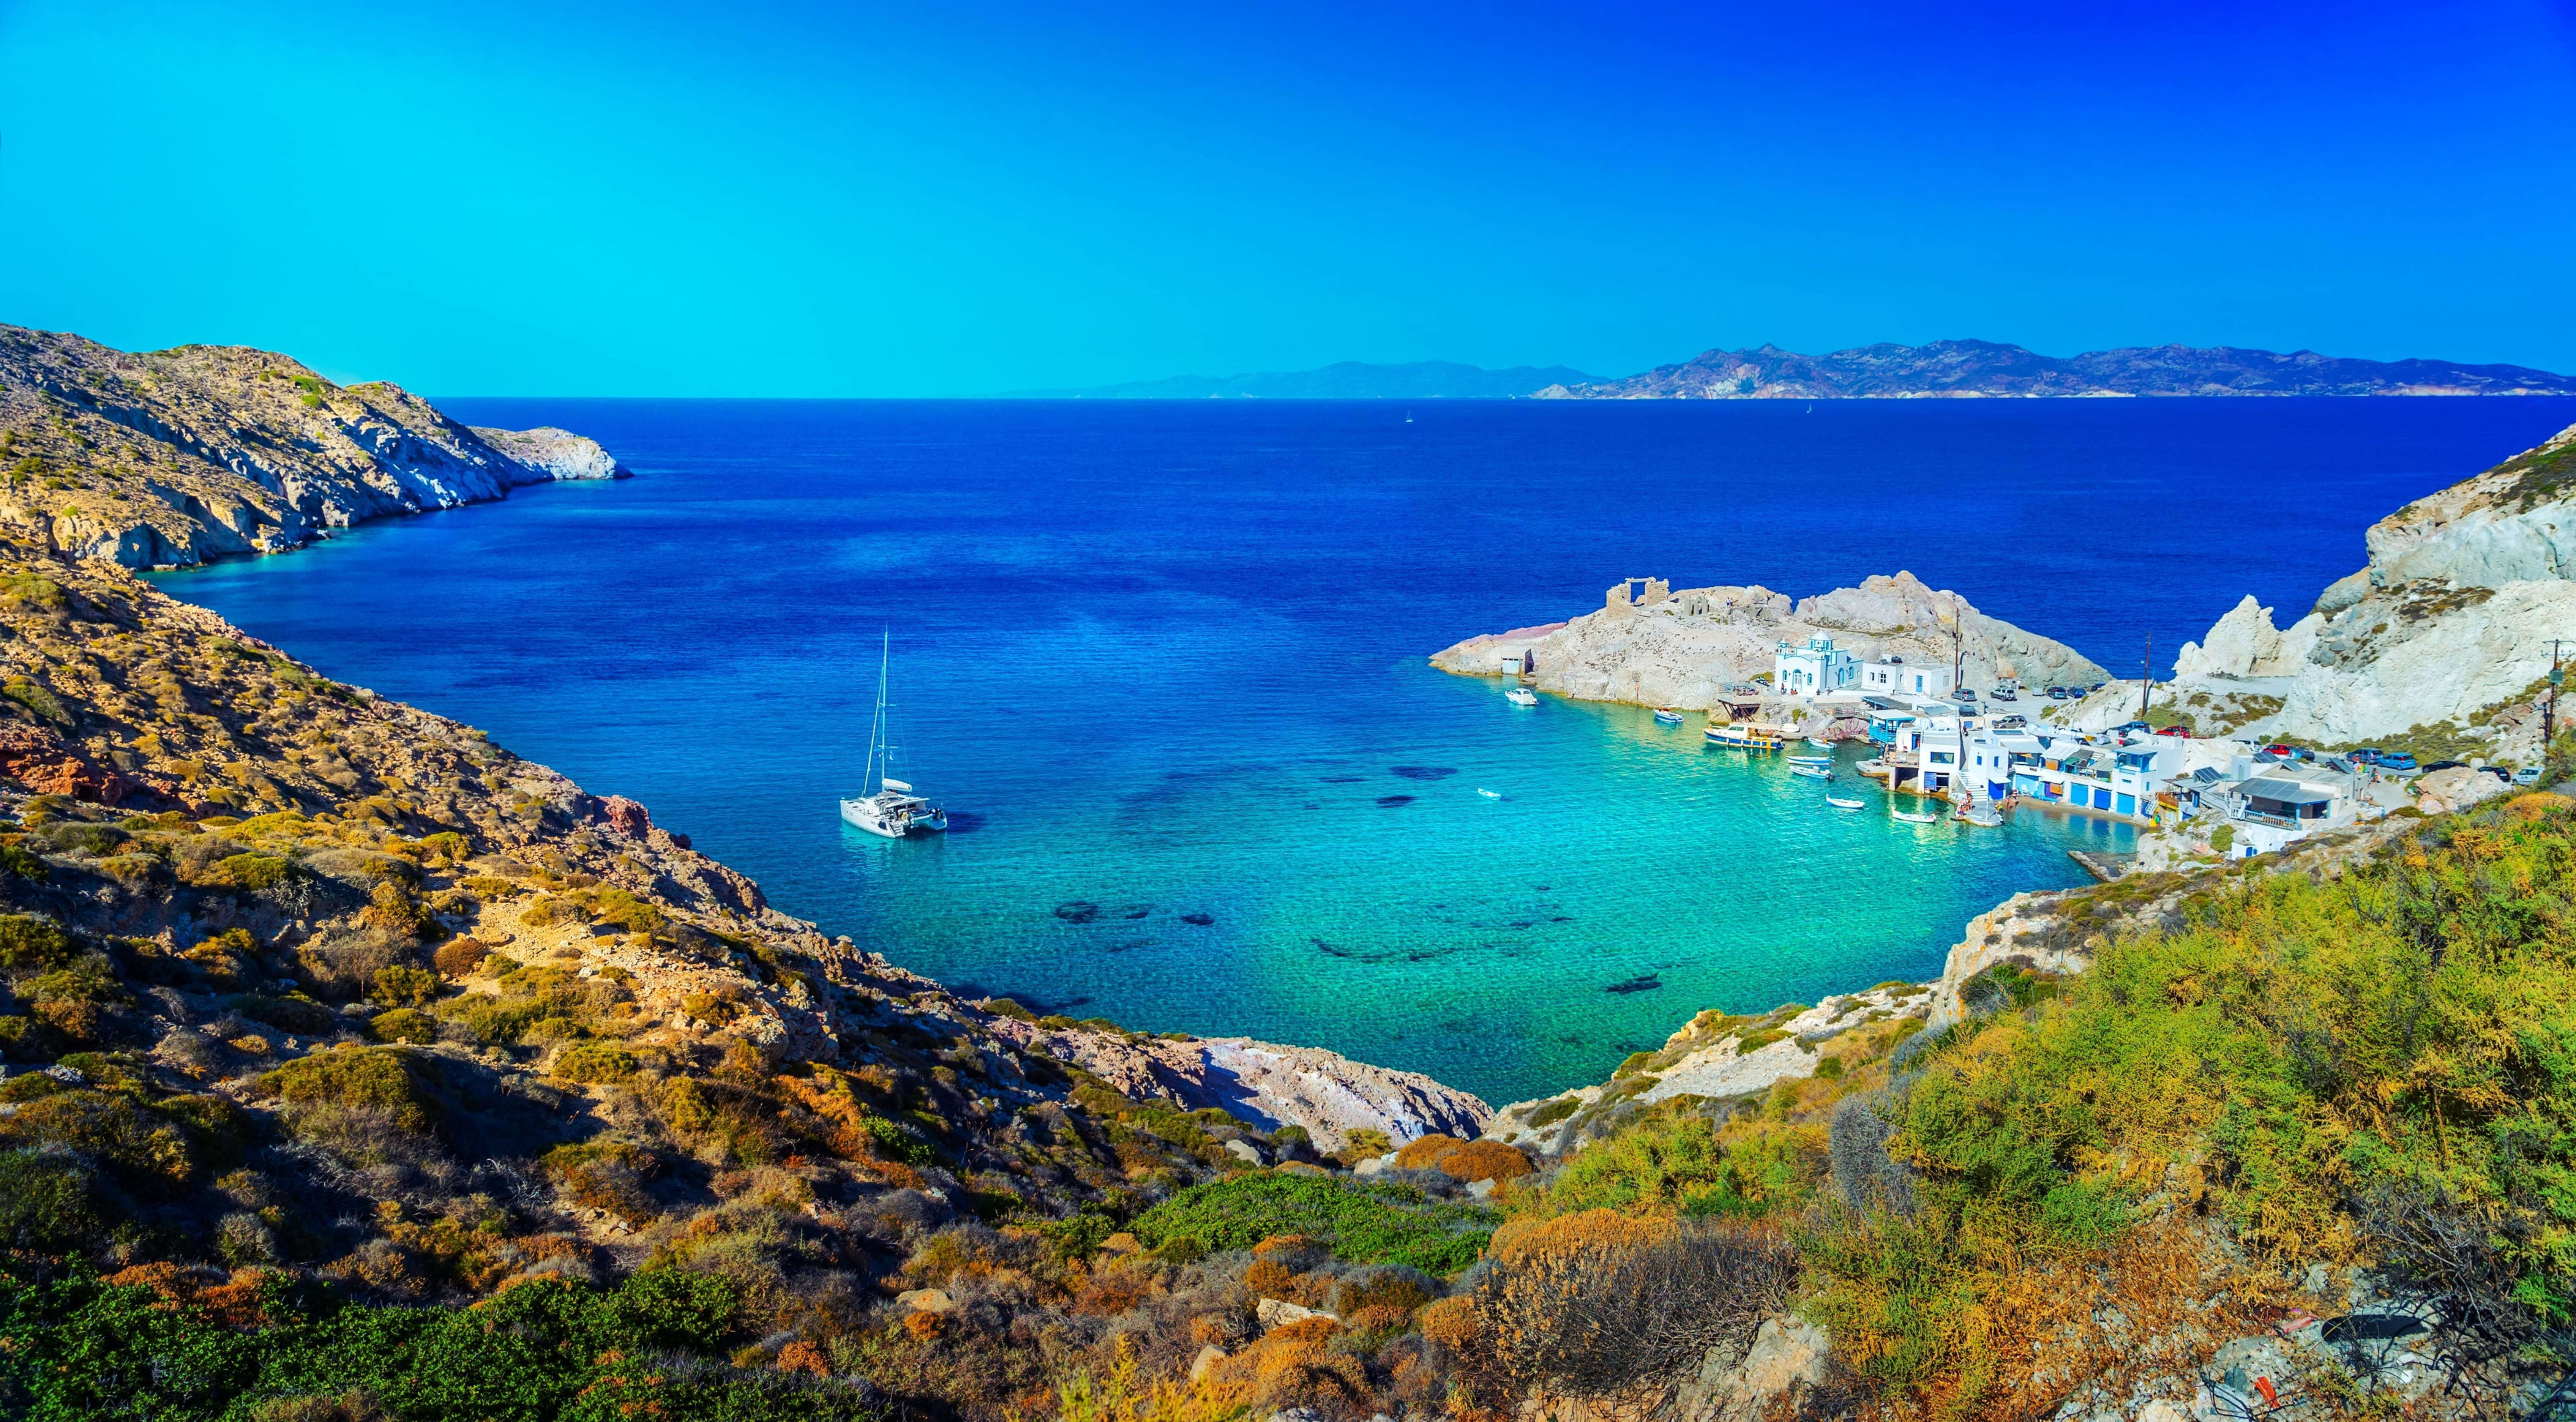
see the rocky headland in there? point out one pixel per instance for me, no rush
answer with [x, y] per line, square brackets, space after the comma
[168, 458]
[1682, 648]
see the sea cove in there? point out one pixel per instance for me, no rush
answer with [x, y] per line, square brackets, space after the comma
[1166, 663]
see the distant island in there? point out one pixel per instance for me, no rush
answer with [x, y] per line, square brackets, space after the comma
[1969, 369]
[1345, 380]
[1940, 369]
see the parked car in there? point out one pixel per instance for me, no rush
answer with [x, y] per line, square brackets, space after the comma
[2528, 775]
[2446, 765]
[2499, 772]
[2003, 693]
[2174, 731]
[2397, 761]
[2126, 727]
[1967, 693]
[2281, 752]
[2057, 693]
[2367, 755]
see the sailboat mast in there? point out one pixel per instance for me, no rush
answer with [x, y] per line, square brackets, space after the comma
[877, 748]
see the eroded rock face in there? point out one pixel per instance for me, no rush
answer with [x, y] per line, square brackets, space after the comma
[1680, 651]
[168, 458]
[2448, 625]
[2511, 524]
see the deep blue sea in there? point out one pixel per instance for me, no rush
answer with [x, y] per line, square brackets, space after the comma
[1166, 662]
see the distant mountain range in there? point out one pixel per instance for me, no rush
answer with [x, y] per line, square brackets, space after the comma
[1985, 368]
[1347, 380]
[1942, 368]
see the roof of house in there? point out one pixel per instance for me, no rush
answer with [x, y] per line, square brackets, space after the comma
[2288, 792]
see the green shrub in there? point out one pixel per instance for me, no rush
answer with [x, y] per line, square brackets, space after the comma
[1364, 1224]
[30, 942]
[249, 871]
[383, 1078]
[404, 1024]
[293, 1012]
[543, 1351]
[594, 1062]
[15, 859]
[36, 699]
[47, 1203]
[401, 985]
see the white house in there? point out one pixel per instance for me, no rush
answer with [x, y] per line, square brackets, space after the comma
[2100, 774]
[2276, 804]
[1895, 676]
[1816, 668]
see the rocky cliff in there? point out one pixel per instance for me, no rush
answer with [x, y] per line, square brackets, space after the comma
[2448, 626]
[168, 458]
[1680, 649]
[1985, 368]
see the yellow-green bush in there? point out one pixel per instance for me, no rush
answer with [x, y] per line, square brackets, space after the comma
[405, 1024]
[383, 1078]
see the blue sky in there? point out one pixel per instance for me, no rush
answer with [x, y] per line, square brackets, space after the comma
[774, 199]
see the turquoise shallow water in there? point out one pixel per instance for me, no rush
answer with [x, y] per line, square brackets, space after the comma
[1165, 662]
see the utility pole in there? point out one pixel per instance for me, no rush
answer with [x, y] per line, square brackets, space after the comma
[2549, 708]
[2146, 675]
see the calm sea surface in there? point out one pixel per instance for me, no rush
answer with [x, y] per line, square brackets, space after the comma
[1165, 663]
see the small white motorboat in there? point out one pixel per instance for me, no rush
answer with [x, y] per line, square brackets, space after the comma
[1915, 817]
[1489, 794]
[1819, 744]
[1812, 772]
[1810, 760]
[1667, 716]
[1839, 803]
[1521, 696]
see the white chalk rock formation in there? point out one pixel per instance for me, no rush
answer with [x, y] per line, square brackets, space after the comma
[2246, 644]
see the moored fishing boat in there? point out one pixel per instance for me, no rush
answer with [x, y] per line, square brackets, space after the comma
[1812, 772]
[1820, 744]
[1839, 803]
[1748, 735]
[1521, 696]
[1914, 817]
[1667, 716]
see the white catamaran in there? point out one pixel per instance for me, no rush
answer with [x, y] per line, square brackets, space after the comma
[893, 810]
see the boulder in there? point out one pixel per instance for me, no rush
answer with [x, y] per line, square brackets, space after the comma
[2442, 791]
[926, 1300]
[1279, 1313]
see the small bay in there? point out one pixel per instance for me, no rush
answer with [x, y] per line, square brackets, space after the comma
[1164, 662]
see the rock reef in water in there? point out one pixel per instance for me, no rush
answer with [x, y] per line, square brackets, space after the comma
[169, 458]
[1682, 648]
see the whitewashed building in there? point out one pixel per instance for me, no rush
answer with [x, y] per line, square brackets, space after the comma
[1815, 667]
[1895, 676]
